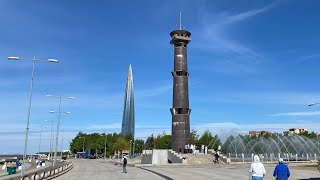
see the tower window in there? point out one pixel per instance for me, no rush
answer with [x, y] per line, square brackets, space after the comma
[182, 73]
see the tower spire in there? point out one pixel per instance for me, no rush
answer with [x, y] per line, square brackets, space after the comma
[180, 24]
[130, 72]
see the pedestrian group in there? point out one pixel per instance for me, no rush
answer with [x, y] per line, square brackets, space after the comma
[258, 172]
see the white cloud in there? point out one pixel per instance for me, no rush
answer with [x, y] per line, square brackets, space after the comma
[262, 97]
[214, 36]
[215, 28]
[246, 15]
[312, 56]
[244, 128]
[307, 113]
[103, 127]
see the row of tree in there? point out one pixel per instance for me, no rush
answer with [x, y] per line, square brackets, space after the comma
[163, 141]
[113, 142]
[116, 141]
[105, 142]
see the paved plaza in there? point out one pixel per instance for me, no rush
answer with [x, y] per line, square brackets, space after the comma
[104, 169]
[100, 169]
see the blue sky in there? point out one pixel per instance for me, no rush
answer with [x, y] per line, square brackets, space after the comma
[253, 65]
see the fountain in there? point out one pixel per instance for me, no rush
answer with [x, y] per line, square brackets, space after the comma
[242, 148]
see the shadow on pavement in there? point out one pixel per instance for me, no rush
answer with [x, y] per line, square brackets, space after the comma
[161, 175]
[311, 179]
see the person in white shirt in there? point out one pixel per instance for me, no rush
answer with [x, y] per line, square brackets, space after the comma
[124, 164]
[257, 169]
[191, 148]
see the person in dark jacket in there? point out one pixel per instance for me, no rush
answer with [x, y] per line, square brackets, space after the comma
[281, 171]
[216, 156]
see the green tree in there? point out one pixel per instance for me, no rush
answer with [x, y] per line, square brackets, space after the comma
[311, 135]
[139, 143]
[206, 138]
[76, 144]
[128, 137]
[224, 148]
[215, 143]
[267, 135]
[194, 137]
[163, 141]
[149, 144]
[121, 144]
[95, 141]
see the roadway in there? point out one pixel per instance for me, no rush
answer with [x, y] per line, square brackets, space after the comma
[105, 169]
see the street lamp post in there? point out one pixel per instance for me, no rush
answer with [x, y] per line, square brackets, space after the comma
[61, 145]
[51, 138]
[58, 125]
[23, 171]
[130, 148]
[142, 148]
[105, 146]
[57, 134]
[84, 139]
[133, 146]
[318, 142]
[313, 104]
[40, 139]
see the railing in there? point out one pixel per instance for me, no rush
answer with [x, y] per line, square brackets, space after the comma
[45, 173]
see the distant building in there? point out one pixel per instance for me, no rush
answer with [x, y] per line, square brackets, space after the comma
[294, 131]
[121, 153]
[128, 111]
[258, 133]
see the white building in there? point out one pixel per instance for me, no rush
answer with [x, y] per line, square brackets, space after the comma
[294, 131]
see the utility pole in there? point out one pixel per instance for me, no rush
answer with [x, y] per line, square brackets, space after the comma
[105, 146]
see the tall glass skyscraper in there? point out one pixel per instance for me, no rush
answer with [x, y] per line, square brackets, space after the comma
[128, 111]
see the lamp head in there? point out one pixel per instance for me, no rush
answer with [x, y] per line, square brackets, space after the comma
[312, 104]
[53, 60]
[13, 58]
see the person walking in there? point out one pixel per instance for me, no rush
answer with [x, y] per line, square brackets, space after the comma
[194, 149]
[124, 164]
[257, 169]
[281, 171]
[216, 156]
